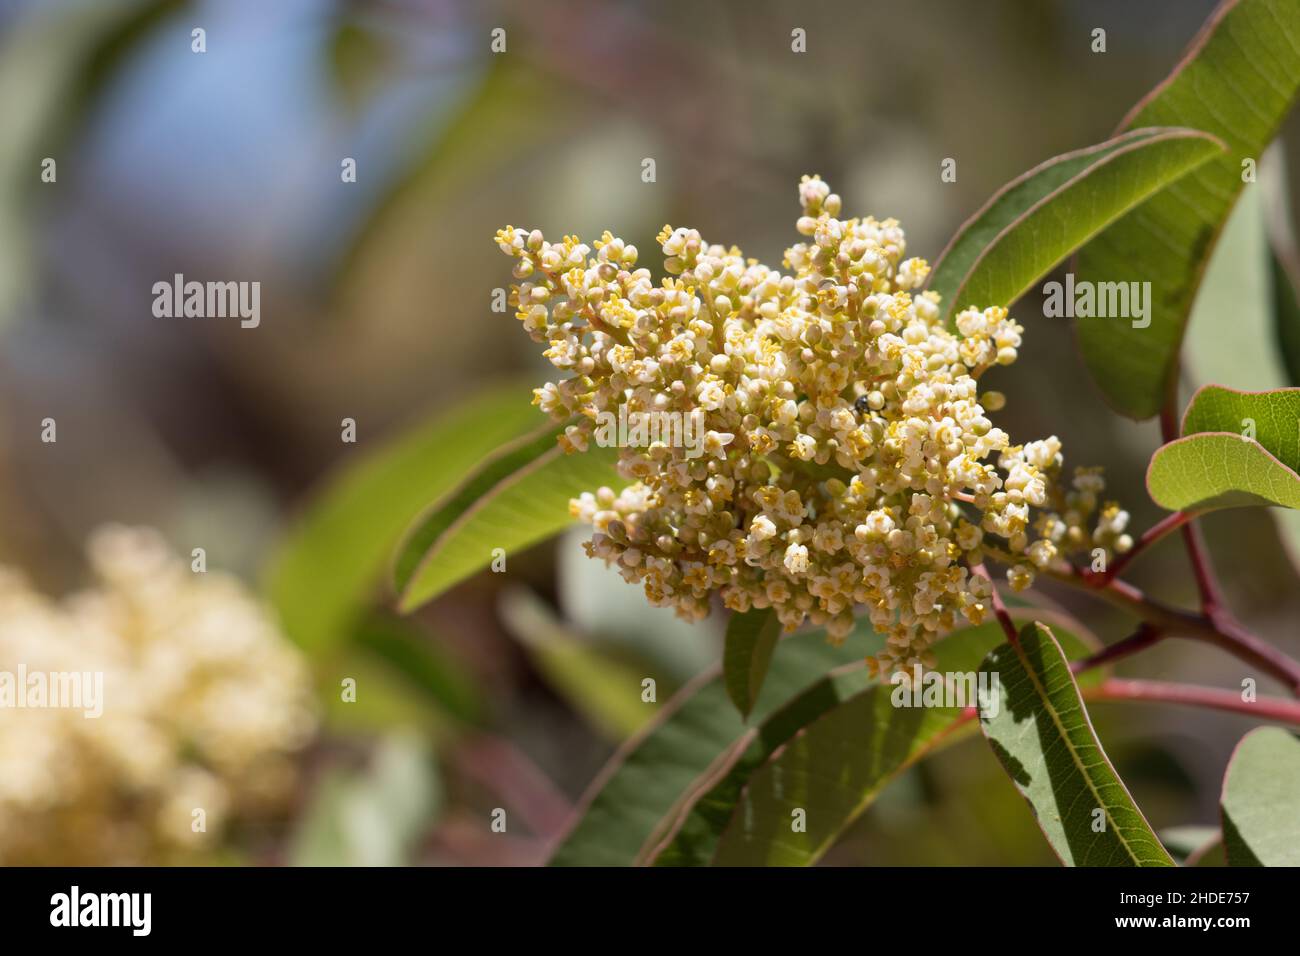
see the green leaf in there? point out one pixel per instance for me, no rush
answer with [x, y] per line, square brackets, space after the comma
[653, 774]
[453, 157]
[1240, 352]
[602, 688]
[1236, 82]
[1248, 280]
[357, 57]
[1041, 733]
[517, 497]
[1216, 465]
[329, 566]
[1219, 470]
[840, 743]
[1261, 812]
[751, 639]
[1034, 222]
[418, 660]
[1212, 854]
[1275, 416]
[689, 836]
[385, 698]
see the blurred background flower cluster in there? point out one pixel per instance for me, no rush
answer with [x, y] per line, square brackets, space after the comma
[510, 691]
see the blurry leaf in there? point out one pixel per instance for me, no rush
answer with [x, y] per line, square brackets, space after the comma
[1194, 846]
[841, 742]
[1260, 803]
[515, 498]
[418, 659]
[650, 775]
[751, 638]
[604, 690]
[1042, 735]
[1230, 338]
[327, 569]
[372, 818]
[1214, 465]
[1211, 854]
[1034, 222]
[1237, 82]
[55, 64]
[1246, 281]
[385, 698]
[1182, 842]
[512, 104]
[357, 57]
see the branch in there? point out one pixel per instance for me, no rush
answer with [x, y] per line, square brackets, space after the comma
[1212, 627]
[1164, 526]
[1146, 635]
[1265, 708]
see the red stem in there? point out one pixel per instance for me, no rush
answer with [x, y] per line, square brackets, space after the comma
[1168, 523]
[1266, 708]
[999, 609]
[1146, 635]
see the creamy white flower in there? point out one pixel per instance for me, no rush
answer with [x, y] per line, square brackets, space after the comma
[205, 704]
[832, 398]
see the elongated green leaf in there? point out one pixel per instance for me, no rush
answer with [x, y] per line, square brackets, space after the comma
[751, 639]
[604, 689]
[515, 499]
[415, 658]
[1260, 803]
[1238, 449]
[453, 156]
[697, 730]
[1044, 738]
[1006, 206]
[689, 836]
[1230, 338]
[1049, 212]
[330, 564]
[1237, 82]
[841, 743]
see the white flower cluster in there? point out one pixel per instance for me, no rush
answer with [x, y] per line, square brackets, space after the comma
[204, 703]
[849, 462]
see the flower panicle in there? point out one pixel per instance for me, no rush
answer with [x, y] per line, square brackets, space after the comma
[849, 462]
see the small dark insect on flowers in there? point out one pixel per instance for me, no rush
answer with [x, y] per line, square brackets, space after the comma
[860, 403]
